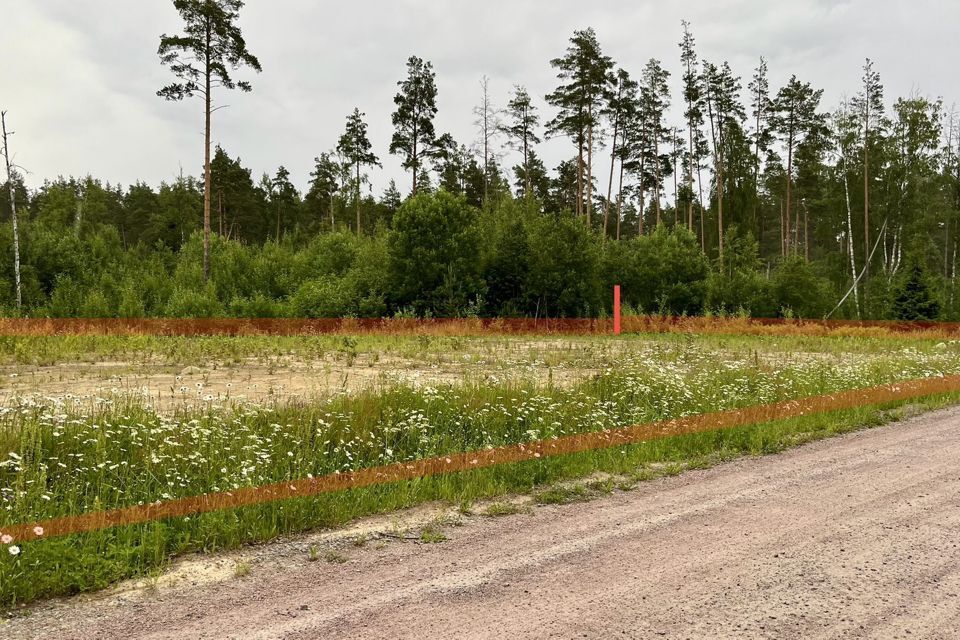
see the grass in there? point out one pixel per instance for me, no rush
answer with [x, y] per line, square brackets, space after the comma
[432, 534]
[564, 494]
[61, 462]
[334, 557]
[500, 509]
[241, 568]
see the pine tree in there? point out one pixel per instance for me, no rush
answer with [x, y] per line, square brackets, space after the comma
[324, 185]
[521, 131]
[414, 137]
[726, 114]
[202, 58]
[240, 206]
[284, 199]
[586, 73]
[914, 301]
[355, 146]
[692, 95]
[794, 116]
[620, 111]
[654, 102]
[533, 179]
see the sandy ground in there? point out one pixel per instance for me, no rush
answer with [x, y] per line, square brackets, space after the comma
[855, 537]
[169, 387]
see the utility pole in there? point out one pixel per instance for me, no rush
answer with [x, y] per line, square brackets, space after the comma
[13, 210]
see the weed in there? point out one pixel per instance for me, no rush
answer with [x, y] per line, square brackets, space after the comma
[564, 494]
[360, 541]
[498, 509]
[241, 568]
[335, 557]
[432, 534]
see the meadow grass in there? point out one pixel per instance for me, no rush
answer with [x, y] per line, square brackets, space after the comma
[56, 461]
[52, 350]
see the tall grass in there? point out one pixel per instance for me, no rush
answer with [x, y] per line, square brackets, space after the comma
[58, 461]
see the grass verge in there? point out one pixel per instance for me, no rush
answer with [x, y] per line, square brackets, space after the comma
[95, 560]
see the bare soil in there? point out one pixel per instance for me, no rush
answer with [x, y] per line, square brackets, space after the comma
[289, 379]
[854, 537]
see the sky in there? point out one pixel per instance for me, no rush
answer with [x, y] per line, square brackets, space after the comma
[78, 78]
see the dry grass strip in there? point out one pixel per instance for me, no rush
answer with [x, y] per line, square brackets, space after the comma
[470, 327]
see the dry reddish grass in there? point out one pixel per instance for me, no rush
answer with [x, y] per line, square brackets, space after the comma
[472, 327]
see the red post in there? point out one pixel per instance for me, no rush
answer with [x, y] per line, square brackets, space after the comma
[616, 311]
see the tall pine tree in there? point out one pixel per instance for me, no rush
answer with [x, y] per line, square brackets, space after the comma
[202, 58]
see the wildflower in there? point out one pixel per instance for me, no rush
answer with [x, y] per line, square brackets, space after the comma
[38, 531]
[14, 550]
[6, 538]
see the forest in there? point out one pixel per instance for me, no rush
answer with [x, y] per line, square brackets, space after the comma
[733, 197]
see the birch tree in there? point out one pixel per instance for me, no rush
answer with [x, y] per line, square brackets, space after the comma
[13, 209]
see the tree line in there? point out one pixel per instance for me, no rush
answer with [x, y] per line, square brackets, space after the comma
[758, 200]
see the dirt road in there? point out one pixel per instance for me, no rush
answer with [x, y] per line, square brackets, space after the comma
[855, 537]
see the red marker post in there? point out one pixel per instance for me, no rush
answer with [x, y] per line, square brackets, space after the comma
[617, 329]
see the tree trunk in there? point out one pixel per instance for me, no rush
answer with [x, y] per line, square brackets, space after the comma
[789, 183]
[643, 170]
[580, 165]
[783, 231]
[413, 156]
[640, 210]
[690, 178]
[717, 173]
[589, 200]
[703, 237]
[620, 201]
[756, 157]
[866, 182]
[528, 187]
[946, 218]
[676, 194]
[656, 172]
[613, 162]
[206, 160]
[850, 248]
[13, 214]
[358, 198]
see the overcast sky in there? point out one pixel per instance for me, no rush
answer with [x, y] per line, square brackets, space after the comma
[78, 77]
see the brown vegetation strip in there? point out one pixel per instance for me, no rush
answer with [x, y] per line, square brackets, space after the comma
[467, 327]
[456, 462]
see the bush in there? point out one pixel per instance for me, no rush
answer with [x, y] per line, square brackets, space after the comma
[799, 292]
[664, 272]
[192, 303]
[322, 298]
[432, 255]
[564, 275]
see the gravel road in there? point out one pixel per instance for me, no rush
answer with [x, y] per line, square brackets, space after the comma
[853, 537]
